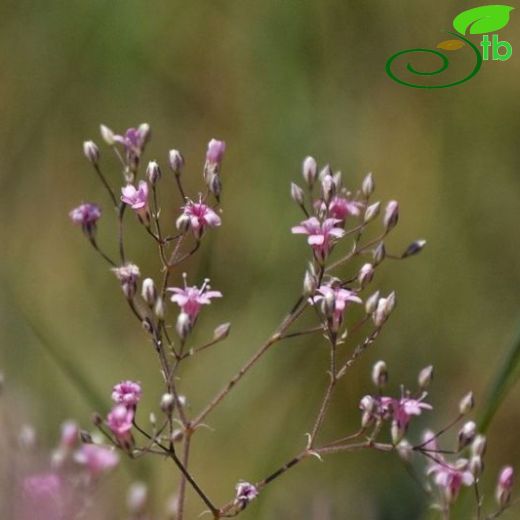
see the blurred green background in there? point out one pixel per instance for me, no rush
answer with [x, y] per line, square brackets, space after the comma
[277, 80]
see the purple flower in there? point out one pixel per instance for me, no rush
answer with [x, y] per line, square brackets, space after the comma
[86, 215]
[339, 297]
[245, 493]
[136, 198]
[198, 216]
[97, 459]
[134, 139]
[215, 152]
[451, 478]
[191, 299]
[119, 420]
[406, 407]
[341, 208]
[128, 275]
[321, 235]
[127, 393]
[505, 486]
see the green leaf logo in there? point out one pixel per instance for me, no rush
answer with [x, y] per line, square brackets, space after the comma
[484, 19]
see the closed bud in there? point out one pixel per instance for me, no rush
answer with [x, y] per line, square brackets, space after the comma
[405, 450]
[391, 216]
[379, 315]
[389, 304]
[310, 282]
[221, 332]
[91, 151]
[368, 186]
[176, 161]
[397, 432]
[177, 435]
[367, 404]
[183, 325]
[372, 212]
[365, 275]
[85, 437]
[183, 223]
[479, 445]
[336, 178]
[145, 133]
[107, 134]
[96, 419]
[137, 498]
[328, 304]
[425, 377]
[167, 403]
[380, 374]
[159, 308]
[297, 194]
[309, 170]
[414, 248]
[467, 403]
[328, 189]
[153, 172]
[371, 303]
[505, 486]
[379, 253]
[215, 185]
[476, 465]
[149, 292]
[326, 171]
[467, 434]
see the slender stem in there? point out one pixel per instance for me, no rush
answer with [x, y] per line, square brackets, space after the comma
[182, 484]
[120, 216]
[92, 240]
[296, 311]
[105, 183]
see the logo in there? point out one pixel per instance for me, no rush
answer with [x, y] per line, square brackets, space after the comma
[477, 21]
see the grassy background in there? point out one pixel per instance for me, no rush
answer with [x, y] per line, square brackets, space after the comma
[276, 81]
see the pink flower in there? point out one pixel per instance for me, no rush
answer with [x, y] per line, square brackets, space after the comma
[96, 459]
[215, 152]
[341, 208]
[136, 198]
[198, 216]
[127, 393]
[191, 299]
[406, 407]
[119, 420]
[340, 299]
[86, 215]
[43, 493]
[451, 478]
[321, 235]
[245, 493]
[134, 139]
[505, 486]
[128, 275]
[69, 434]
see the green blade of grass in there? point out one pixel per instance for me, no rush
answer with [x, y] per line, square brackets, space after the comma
[504, 380]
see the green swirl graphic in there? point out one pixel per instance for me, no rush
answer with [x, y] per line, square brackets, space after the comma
[444, 65]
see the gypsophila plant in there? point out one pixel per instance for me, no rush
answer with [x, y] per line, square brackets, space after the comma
[335, 222]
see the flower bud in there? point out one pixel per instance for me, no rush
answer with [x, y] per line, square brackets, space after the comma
[176, 161]
[478, 447]
[328, 304]
[368, 186]
[167, 403]
[391, 215]
[372, 212]
[85, 437]
[310, 282]
[297, 194]
[107, 134]
[145, 133]
[425, 377]
[153, 172]
[389, 304]
[379, 315]
[367, 404]
[379, 253]
[397, 432]
[69, 434]
[328, 189]
[137, 498]
[127, 275]
[466, 404]
[380, 374]
[221, 332]
[183, 325]
[215, 185]
[159, 308]
[183, 223]
[405, 450]
[371, 303]
[476, 465]
[414, 248]
[177, 435]
[467, 434]
[149, 292]
[504, 486]
[91, 151]
[310, 170]
[365, 275]
[326, 171]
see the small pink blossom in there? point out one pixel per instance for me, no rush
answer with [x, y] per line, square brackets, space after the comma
[451, 478]
[86, 215]
[191, 299]
[199, 216]
[119, 420]
[215, 152]
[341, 298]
[406, 407]
[505, 486]
[69, 434]
[245, 493]
[128, 275]
[136, 198]
[127, 393]
[43, 493]
[96, 459]
[134, 139]
[321, 235]
[341, 208]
